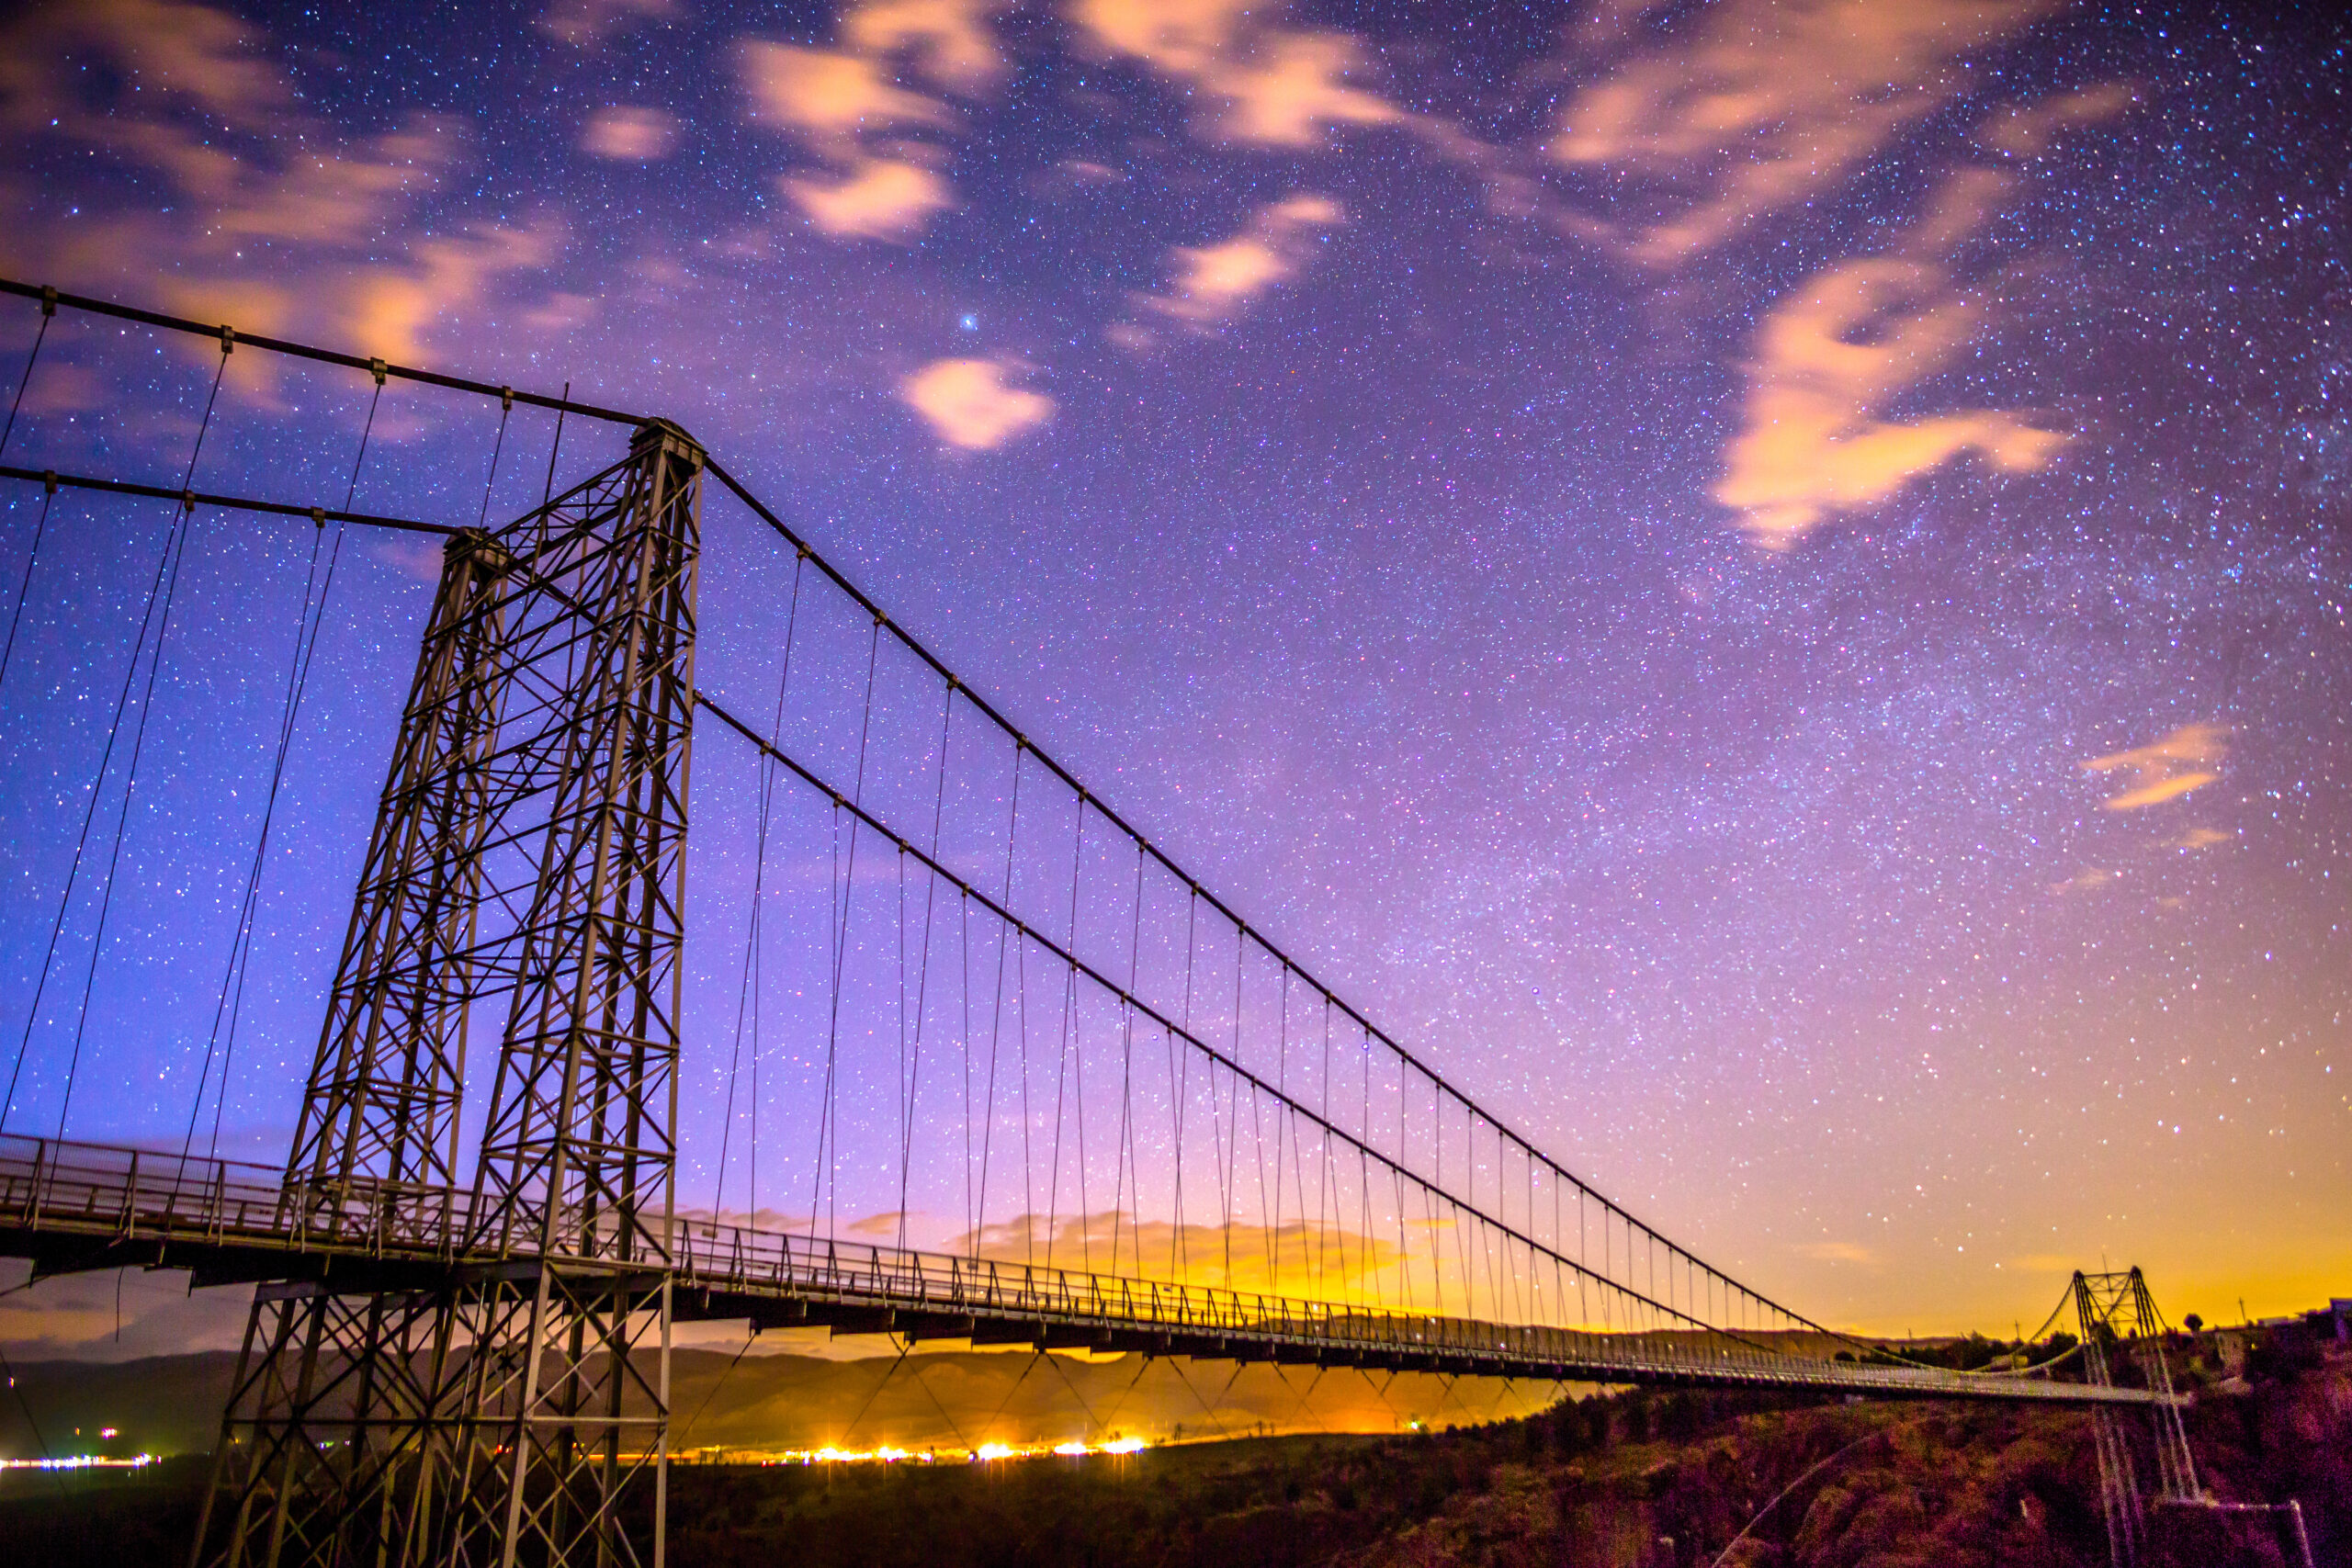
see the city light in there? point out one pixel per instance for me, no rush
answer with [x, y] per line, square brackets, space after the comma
[987, 1453]
[81, 1461]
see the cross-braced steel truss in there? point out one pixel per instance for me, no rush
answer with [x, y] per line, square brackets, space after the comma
[2120, 1322]
[528, 860]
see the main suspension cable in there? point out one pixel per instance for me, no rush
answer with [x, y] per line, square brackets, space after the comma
[1244, 1078]
[48, 490]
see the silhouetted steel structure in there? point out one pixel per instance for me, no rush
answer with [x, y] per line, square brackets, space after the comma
[529, 854]
[2120, 1321]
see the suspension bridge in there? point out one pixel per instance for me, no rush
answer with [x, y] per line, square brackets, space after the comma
[943, 1046]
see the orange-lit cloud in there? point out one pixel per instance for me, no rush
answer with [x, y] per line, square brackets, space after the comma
[827, 96]
[392, 309]
[835, 101]
[2201, 839]
[586, 23]
[1213, 282]
[1297, 1259]
[1836, 354]
[1828, 359]
[949, 40]
[1271, 86]
[2187, 759]
[630, 135]
[970, 404]
[269, 219]
[174, 58]
[1755, 106]
[1181, 37]
[880, 198]
[1838, 1252]
[1291, 92]
[2028, 131]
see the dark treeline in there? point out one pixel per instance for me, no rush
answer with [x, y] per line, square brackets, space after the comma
[1631, 1480]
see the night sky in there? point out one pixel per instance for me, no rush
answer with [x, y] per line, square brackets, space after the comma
[1764, 584]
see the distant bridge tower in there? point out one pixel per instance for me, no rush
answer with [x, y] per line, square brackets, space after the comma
[527, 871]
[2119, 1319]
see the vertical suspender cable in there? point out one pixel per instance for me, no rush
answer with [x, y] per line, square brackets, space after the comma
[48, 314]
[828, 1132]
[505, 408]
[914, 1071]
[177, 553]
[1180, 1077]
[546, 496]
[306, 647]
[747, 993]
[89, 813]
[239, 936]
[1005, 942]
[1062, 1053]
[1123, 1156]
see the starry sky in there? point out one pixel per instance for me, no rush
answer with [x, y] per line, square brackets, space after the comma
[1765, 584]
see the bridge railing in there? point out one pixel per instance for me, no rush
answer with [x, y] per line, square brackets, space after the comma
[735, 1257]
[48, 1184]
[127, 1193]
[113, 1194]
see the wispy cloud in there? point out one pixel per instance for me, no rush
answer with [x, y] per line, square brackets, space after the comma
[2029, 129]
[836, 102]
[1755, 106]
[829, 96]
[1268, 86]
[1212, 283]
[1833, 358]
[273, 219]
[630, 135]
[880, 198]
[1837, 1252]
[585, 24]
[2187, 759]
[393, 308]
[949, 40]
[970, 403]
[1292, 91]
[1829, 359]
[1329, 1262]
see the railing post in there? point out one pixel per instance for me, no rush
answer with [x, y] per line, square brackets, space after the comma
[40, 1161]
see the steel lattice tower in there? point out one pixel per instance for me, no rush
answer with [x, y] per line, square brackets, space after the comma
[2116, 1313]
[527, 868]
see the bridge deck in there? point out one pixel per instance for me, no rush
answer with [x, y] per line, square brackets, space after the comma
[70, 1206]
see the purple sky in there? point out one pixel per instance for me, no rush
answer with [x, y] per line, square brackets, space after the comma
[1763, 584]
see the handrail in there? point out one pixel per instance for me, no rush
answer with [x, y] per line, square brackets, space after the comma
[119, 1193]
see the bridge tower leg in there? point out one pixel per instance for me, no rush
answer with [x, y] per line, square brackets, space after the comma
[2117, 1314]
[482, 1384]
